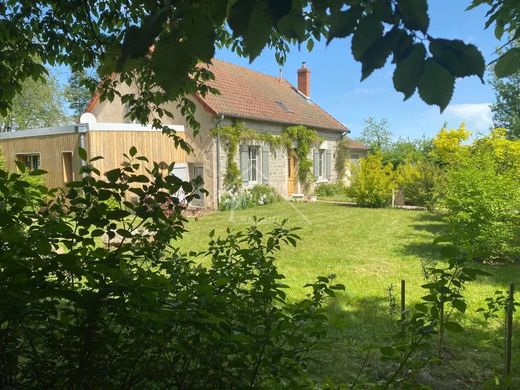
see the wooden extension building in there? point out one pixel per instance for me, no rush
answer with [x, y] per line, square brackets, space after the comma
[55, 149]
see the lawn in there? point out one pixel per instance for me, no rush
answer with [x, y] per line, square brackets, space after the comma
[368, 250]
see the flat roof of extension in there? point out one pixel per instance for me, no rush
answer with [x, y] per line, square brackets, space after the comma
[83, 128]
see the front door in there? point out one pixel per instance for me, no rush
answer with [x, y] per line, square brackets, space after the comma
[292, 180]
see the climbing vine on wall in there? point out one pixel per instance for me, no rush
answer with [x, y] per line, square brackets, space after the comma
[342, 154]
[298, 139]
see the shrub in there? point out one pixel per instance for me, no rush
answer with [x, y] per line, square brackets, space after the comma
[236, 201]
[420, 182]
[330, 189]
[483, 199]
[260, 194]
[372, 182]
[264, 194]
[142, 314]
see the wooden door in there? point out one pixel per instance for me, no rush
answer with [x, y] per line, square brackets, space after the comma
[292, 180]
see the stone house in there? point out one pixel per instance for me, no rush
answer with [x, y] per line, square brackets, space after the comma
[263, 103]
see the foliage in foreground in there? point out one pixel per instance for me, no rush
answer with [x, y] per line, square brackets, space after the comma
[100, 36]
[140, 313]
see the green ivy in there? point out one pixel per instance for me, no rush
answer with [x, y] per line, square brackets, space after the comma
[342, 154]
[301, 140]
[298, 139]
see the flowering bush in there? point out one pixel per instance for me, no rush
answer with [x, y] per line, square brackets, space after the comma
[260, 194]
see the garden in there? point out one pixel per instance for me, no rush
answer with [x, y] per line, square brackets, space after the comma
[368, 250]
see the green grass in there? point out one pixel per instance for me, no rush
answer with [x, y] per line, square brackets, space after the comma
[367, 250]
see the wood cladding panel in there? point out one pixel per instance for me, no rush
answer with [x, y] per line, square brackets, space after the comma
[112, 144]
[50, 149]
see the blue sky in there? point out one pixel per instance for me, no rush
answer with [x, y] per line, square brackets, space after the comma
[336, 86]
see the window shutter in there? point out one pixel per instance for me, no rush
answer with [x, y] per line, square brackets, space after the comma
[328, 163]
[244, 163]
[316, 161]
[265, 164]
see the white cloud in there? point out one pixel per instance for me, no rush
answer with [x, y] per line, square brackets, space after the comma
[476, 116]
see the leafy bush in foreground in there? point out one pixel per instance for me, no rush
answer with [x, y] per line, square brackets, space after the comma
[142, 314]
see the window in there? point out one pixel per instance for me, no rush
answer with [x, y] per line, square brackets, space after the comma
[354, 159]
[253, 163]
[31, 161]
[66, 162]
[321, 163]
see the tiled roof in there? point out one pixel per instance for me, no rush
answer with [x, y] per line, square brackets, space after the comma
[247, 94]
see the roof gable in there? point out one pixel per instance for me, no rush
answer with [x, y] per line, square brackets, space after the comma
[248, 94]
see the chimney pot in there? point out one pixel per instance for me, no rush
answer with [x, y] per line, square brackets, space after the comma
[304, 80]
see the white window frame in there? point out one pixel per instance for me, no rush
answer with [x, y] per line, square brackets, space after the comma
[253, 151]
[30, 155]
[321, 163]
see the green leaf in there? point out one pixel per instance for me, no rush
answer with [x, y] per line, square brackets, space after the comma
[508, 63]
[343, 23]
[37, 172]
[414, 14]
[117, 214]
[310, 45]
[124, 233]
[82, 154]
[454, 327]
[239, 16]
[369, 30]
[258, 32]
[20, 165]
[383, 10]
[113, 175]
[132, 151]
[436, 84]
[459, 58]
[293, 25]
[460, 305]
[409, 70]
[376, 55]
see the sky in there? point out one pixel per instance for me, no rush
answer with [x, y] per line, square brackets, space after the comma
[336, 86]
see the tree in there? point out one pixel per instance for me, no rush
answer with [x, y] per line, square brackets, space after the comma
[162, 47]
[376, 135]
[506, 109]
[38, 104]
[505, 15]
[77, 94]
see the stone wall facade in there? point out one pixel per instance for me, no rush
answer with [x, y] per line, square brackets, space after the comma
[210, 153]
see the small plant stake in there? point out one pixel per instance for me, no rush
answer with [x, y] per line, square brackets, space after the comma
[509, 334]
[403, 305]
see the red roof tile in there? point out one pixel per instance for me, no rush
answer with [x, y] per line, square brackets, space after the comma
[247, 94]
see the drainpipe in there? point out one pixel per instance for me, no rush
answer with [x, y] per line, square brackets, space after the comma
[82, 130]
[220, 118]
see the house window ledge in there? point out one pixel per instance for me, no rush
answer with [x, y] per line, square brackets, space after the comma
[321, 180]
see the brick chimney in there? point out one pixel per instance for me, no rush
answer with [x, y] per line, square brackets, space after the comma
[304, 80]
